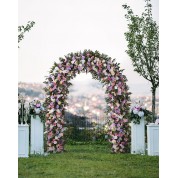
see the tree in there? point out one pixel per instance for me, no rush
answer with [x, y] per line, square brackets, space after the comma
[22, 29]
[143, 46]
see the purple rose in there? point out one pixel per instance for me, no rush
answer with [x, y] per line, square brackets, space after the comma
[38, 105]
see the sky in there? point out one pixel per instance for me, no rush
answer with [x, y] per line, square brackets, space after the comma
[64, 26]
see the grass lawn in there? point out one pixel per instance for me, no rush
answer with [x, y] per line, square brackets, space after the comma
[89, 161]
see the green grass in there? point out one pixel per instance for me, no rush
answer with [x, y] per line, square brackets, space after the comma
[89, 161]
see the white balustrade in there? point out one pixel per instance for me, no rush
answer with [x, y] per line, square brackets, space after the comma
[23, 140]
[138, 137]
[153, 139]
[37, 134]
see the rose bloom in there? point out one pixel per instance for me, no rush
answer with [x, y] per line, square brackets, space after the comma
[38, 105]
[135, 111]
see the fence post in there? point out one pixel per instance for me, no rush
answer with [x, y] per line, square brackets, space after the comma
[153, 139]
[138, 137]
[37, 133]
[23, 140]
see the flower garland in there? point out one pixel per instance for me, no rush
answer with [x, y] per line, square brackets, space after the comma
[102, 68]
[36, 108]
[138, 112]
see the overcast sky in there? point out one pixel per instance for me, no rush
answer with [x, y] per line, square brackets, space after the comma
[64, 26]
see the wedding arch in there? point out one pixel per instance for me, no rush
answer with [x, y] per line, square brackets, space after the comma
[108, 72]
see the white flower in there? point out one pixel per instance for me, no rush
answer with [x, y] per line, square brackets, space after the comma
[137, 105]
[97, 59]
[141, 113]
[112, 71]
[115, 147]
[26, 105]
[65, 71]
[113, 141]
[115, 137]
[120, 117]
[37, 110]
[135, 111]
[53, 99]
[19, 105]
[56, 68]
[157, 122]
[95, 69]
[51, 111]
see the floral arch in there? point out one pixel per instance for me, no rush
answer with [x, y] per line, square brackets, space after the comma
[102, 68]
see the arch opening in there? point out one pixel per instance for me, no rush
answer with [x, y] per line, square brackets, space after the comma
[85, 115]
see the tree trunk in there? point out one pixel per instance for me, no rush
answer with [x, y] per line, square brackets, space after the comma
[153, 102]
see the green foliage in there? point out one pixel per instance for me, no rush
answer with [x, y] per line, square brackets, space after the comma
[143, 45]
[136, 118]
[89, 161]
[22, 29]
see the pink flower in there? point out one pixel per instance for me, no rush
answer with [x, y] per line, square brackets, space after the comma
[59, 125]
[110, 88]
[125, 120]
[113, 127]
[157, 122]
[108, 67]
[109, 78]
[119, 91]
[55, 142]
[80, 68]
[51, 148]
[121, 134]
[38, 105]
